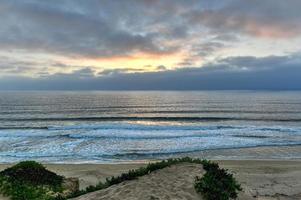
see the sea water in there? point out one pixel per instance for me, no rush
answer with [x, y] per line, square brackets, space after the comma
[116, 126]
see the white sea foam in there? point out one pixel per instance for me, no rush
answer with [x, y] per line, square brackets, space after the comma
[134, 141]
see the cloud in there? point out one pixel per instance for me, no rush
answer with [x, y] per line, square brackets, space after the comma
[273, 72]
[208, 48]
[106, 28]
[268, 19]
[39, 26]
[59, 37]
[161, 67]
[8, 66]
[120, 71]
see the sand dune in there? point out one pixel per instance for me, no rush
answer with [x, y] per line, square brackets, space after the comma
[175, 182]
[260, 179]
[267, 180]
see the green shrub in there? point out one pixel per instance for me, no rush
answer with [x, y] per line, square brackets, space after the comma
[32, 173]
[210, 166]
[30, 180]
[216, 184]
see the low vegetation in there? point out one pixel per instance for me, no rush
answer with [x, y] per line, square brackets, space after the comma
[216, 183]
[133, 174]
[30, 180]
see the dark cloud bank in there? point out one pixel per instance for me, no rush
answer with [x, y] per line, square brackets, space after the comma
[235, 73]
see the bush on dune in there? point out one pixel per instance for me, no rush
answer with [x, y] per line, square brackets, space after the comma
[216, 183]
[32, 173]
[30, 180]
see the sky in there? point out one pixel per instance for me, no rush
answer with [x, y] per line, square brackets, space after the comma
[150, 44]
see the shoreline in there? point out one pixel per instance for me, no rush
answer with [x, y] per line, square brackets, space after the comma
[273, 153]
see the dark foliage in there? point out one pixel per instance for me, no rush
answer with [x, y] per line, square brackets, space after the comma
[29, 180]
[210, 166]
[217, 184]
[33, 173]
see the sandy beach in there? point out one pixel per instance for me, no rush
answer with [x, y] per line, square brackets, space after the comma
[260, 179]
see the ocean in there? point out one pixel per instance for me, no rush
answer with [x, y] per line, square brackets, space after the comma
[125, 126]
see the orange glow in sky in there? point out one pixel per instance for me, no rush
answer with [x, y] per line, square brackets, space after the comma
[147, 62]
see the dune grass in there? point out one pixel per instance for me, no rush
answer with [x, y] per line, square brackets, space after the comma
[135, 173]
[218, 183]
[32, 181]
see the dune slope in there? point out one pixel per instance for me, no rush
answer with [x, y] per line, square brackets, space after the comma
[175, 182]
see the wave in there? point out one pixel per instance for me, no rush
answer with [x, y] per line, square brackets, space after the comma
[141, 127]
[74, 111]
[134, 154]
[216, 111]
[118, 127]
[183, 151]
[185, 119]
[131, 137]
[278, 129]
[144, 132]
[24, 128]
[123, 137]
[251, 136]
